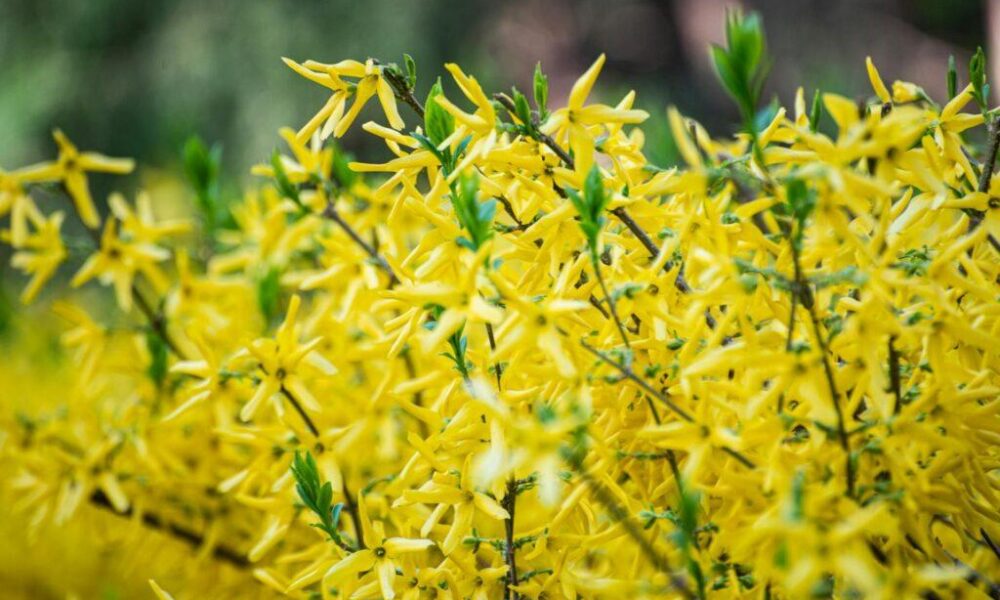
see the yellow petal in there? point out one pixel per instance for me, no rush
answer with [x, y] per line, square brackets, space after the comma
[581, 89]
[876, 81]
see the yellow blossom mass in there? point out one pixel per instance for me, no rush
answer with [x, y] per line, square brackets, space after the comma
[518, 360]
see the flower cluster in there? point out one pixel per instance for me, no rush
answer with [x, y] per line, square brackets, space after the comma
[521, 361]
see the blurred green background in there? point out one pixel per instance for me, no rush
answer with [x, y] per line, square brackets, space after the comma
[136, 78]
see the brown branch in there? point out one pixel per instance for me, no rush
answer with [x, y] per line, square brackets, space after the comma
[302, 413]
[493, 346]
[99, 499]
[509, 209]
[509, 503]
[658, 560]
[835, 397]
[800, 288]
[621, 213]
[989, 542]
[629, 374]
[989, 162]
[352, 509]
[402, 90]
[333, 214]
[611, 301]
[157, 321]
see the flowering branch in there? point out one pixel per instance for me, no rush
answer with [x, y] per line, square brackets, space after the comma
[509, 504]
[629, 374]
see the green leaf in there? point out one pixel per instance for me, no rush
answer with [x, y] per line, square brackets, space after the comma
[952, 77]
[742, 64]
[977, 77]
[731, 80]
[475, 217]
[796, 511]
[521, 108]
[765, 115]
[157, 369]
[281, 181]
[459, 344]
[201, 167]
[341, 170]
[816, 112]
[689, 515]
[411, 71]
[591, 206]
[268, 293]
[438, 123]
[801, 200]
[541, 91]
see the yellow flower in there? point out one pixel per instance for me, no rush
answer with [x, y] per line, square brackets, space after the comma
[280, 362]
[16, 202]
[461, 497]
[369, 82]
[41, 252]
[117, 262]
[71, 168]
[378, 555]
[573, 122]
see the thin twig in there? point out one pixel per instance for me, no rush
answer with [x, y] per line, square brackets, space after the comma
[418, 396]
[986, 174]
[333, 214]
[99, 499]
[156, 321]
[989, 542]
[302, 413]
[647, 242]
[800, 288]
[894, 376]
[509, 503]
[352, 509]
[619, 212]
[791, 323]
[788, 342]
[509, 209]
[611, 302]
[402, 90]
[990, 160]
[671, 457]
[493, 347]
[658, 560]
[630, 374]
[835, 396]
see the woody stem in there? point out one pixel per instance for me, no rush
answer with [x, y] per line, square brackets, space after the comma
[611, 301]
[509, 503]
[801, 289]
[333, 214]
[98, 499]
[156, 321]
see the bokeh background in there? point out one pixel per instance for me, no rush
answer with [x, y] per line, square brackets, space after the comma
[137, 78]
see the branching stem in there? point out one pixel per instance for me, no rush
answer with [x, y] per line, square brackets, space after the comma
[611, 301]
[510, 503]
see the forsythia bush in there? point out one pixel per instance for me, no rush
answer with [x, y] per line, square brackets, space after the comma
[517, 360]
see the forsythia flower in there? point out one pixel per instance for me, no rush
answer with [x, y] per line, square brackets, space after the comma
[117, 262]
[41, 252]
[279, 360]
